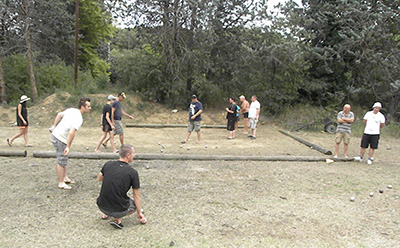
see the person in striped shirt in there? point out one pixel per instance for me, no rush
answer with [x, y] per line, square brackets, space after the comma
[345, 118]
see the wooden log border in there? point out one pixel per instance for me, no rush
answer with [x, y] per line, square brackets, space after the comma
[174, 126]
[13, 153]
[307, 143]
[154, 156]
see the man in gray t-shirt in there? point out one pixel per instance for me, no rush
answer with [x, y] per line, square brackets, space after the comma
[344, 118]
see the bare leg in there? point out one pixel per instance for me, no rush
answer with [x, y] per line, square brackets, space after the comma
[346, 148]
[371, 152]
[121, 139]
[26, 135]
[236, 125]
[106, 140]
[112, 141]
[21, 132]
[118, 220]
[102, 138]
[362, 151]
[187, 137]
[337, 149]
[198, 137]
[61, 173]
[253, 132]
[246, 125]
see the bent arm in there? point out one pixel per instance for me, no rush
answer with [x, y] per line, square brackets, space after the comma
[197, 114]
[70, 138]
[58, 118]
[100, 177]
[126, 114]
[136, 198]
[109, 120]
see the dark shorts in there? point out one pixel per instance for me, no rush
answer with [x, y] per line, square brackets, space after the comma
[370, 139]
[231, 124]
[107, 128]
[246, 115]
[131, 208]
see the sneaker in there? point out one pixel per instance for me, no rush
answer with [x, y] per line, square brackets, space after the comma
[116, 225]
[249, 136]
[372, 159]
[336, 156]
[359, 159]
[252, 137]
[369, 162]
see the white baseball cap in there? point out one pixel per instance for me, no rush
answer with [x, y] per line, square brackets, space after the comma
[111, 97]
[24, 99]
[377, 105]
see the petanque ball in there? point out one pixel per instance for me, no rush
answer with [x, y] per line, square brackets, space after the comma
[352, 199]
[371, 194]
[389, 186]
[381, 191]
[87, 148]
[180, 146]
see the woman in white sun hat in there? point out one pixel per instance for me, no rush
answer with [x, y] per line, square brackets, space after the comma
[22, 121]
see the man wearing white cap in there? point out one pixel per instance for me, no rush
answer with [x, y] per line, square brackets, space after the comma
[107, 124]
[373, 120]
[22, 121]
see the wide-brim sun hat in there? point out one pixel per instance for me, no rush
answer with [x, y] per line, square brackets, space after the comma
[24, 98]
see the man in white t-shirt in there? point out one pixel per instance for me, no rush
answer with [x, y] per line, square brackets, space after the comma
[373, 121]
[66, 124]
[254, 113]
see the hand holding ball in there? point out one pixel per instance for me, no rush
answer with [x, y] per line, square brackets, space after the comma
[143, 220]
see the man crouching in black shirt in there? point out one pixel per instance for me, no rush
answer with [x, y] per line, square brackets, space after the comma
[117, 178]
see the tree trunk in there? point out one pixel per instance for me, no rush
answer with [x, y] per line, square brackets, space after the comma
[29, 52]
[2, 84]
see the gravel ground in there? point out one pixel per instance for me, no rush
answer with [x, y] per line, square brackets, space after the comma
[205, 203]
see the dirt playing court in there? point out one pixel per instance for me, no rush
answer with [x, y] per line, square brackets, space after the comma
[205, 203]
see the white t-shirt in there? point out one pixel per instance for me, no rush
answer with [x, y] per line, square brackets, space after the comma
[254, 106]
[72, 119]
[374, 122]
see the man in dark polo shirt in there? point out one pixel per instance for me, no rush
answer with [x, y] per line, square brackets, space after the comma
[117, 178]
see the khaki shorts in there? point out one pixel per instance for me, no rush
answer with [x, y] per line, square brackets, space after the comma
[252, 123]
[193, 125]
[342, 136]
[118, 127]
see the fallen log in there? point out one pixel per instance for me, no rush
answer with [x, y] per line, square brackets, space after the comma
[307, 143]
[13, 153]
[173, 126]
[155, 156]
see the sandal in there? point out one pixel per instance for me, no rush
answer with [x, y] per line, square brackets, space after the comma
[104, 217]
[69, 182]
[105, 145]
[64, 186]
[28, 145]
[8, 142]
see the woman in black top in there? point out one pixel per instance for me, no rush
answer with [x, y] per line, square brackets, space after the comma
[22, 122]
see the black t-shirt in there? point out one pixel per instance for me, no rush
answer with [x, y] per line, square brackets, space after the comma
[232, 116]
[106, 109]
[118, 178]
[118, 110]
